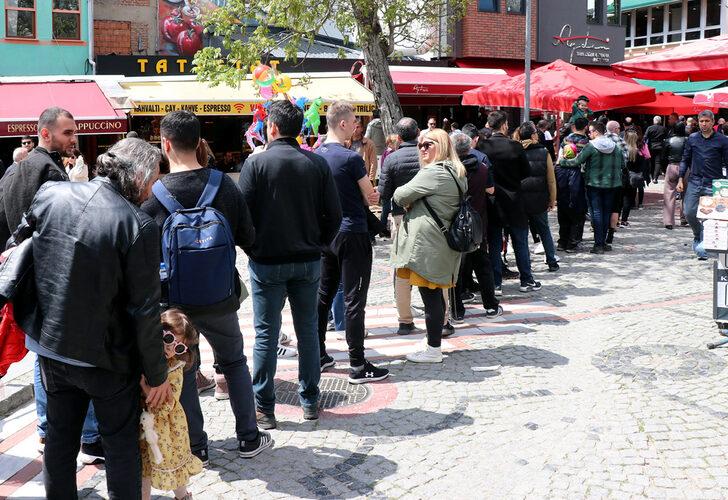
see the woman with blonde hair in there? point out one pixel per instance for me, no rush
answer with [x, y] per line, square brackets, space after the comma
[633, 179]
[420, 252]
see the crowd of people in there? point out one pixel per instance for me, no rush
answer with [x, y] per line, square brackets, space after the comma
[130, 268]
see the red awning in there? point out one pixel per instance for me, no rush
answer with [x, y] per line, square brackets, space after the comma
[514, 68]
[697, 61]
[22, 103]
[667, 103]
[554, 87]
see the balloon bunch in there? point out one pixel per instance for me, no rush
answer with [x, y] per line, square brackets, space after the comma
[269, 81]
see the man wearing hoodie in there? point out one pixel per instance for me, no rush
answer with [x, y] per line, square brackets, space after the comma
[570, 192]
[603, 162]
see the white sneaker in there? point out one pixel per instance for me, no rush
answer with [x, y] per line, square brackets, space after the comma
[538, 249]
[427, 355]
[286, 352]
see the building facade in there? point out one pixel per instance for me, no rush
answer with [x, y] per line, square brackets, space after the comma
[654, 25]
[44, 37]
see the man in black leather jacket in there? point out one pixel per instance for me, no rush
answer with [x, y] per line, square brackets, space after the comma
[674, 147]
[95, 320]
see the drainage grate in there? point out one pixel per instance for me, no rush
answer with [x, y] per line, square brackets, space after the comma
[335, 392]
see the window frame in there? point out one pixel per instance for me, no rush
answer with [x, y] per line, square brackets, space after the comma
[496, 7]
[617, 14]
[9, 8]
[520, 12]
[598, 19]
[55, 11]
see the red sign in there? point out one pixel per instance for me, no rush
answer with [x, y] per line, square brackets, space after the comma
[85, 127]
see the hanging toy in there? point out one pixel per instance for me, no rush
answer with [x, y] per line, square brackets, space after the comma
[312, 117]
[282, 84]
[255, 131]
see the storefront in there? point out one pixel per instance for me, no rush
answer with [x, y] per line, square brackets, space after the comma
[225, 112]
[99, 124]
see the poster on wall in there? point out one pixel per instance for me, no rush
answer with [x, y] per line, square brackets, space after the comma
[180, 25]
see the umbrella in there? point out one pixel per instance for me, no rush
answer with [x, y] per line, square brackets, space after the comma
[717, 98]
[701, 60]
[554, 87]
[666, 103]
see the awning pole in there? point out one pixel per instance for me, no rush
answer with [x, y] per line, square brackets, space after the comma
[527, 69]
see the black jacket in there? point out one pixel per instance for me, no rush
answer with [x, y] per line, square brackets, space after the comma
[655, 136]
[674, 148]
[510, 167]
[534, 188]
[96, 260]
[399, 168]
[293, 202]
[19, 186]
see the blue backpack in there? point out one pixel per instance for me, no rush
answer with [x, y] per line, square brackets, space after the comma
[198, 248]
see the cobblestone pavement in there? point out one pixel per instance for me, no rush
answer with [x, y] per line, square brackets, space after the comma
[599, 385]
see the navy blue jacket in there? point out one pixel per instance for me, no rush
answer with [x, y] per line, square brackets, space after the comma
[707, 158]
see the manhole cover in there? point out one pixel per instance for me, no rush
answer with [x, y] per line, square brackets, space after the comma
[335, 392]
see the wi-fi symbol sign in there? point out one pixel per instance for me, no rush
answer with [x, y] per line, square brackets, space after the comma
[239, 107]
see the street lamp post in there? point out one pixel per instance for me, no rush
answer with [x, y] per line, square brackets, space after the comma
[527, 69]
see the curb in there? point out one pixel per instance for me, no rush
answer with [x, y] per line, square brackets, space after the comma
[15, 393]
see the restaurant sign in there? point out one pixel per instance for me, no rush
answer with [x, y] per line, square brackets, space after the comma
[238, 108]
[85, 127]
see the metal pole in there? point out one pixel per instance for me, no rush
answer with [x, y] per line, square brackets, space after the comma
[527, 69]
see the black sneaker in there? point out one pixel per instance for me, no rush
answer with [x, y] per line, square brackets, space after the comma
[368, 373]
[607, 248]
[203, 456]
[533, 286]
[571, 249]
[447, 330]
[468, 297]
[249, 449]
[327, 362]
[310, 413]
[407, 329]
[597, 250]
[494, 313]
[92, 453]
[509, 275]
[266, 420]
[553, 267]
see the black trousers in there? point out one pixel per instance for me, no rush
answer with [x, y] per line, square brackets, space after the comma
[478, 262]
[630, 193]
[349, 260]
[434, 303]
[656, 163]
[116, 398]
[571, 226]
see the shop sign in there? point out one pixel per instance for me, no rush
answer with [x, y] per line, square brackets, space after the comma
[221, 108]
[584, 47]
[85, 127]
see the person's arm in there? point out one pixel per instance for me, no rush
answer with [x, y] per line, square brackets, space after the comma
[370, 195]
[330, 218]
[687, 158]
[371, 156]
[385, 184]
[420, 186]
[142, 290]
[580, 159]
[245, 236]
[551, 181]
[246, 184]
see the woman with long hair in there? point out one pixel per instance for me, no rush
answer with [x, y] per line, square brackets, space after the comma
[420, 252]
[633, 179]
[674, 148]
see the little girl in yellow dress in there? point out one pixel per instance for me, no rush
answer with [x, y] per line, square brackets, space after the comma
[167, 462]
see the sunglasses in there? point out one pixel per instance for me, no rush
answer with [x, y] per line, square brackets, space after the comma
[424, 146]
[169, 339]
[25, 143]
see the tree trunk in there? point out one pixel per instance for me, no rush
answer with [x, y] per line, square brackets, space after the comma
[375, 56]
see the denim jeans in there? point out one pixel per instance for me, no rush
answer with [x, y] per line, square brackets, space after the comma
[386, 210]
[337, 309]
[519, 239]
[540, 224]
[116, 398]
[600, 206]
[270, 285]
[222, 332]
[90, 432]
[693, 192]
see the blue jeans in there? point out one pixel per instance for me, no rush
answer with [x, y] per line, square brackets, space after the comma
[693, 192]
[270, 285]
[600, 207]
[90, 432]
[222, 332]
[540, 224]
[337, 309]
[386, 210]
[519, 239]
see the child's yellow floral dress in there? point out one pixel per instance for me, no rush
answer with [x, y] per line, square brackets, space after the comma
[170, 423]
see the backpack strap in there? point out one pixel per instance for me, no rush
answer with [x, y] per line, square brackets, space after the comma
[210, 191]
[165, 197]
[438, 221]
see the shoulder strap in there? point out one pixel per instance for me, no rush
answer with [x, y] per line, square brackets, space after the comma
[165, 197]
[438, 221]
[210, 191]
[457, 184]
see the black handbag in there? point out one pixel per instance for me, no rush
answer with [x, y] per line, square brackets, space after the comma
[465, 233]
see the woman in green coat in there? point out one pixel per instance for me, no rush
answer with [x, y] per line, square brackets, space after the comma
[420, 252]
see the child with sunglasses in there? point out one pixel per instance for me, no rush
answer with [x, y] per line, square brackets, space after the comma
[167, 462]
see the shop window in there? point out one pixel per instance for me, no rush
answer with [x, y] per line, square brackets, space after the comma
[712, 13]
[66, 20]
[674, 37]
[488, 5]
[693, 14]
[594, 11]
[516, 6]
[675, 17]
[20, 18]
[693, 35]
[640, 26]
[613, 12]
[711, 33]
[658, 26]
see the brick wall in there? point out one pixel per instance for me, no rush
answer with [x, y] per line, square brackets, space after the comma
[495, 34]
[136, 3]
[138, 29]
[112, 36]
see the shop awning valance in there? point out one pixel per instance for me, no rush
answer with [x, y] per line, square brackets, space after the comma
[426, 81]
[160, 96]
[21, 104]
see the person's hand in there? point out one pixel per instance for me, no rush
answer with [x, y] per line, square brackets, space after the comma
[159, 395]
[373, 197]
[552, 206]
[680, 187]
[145, 387]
